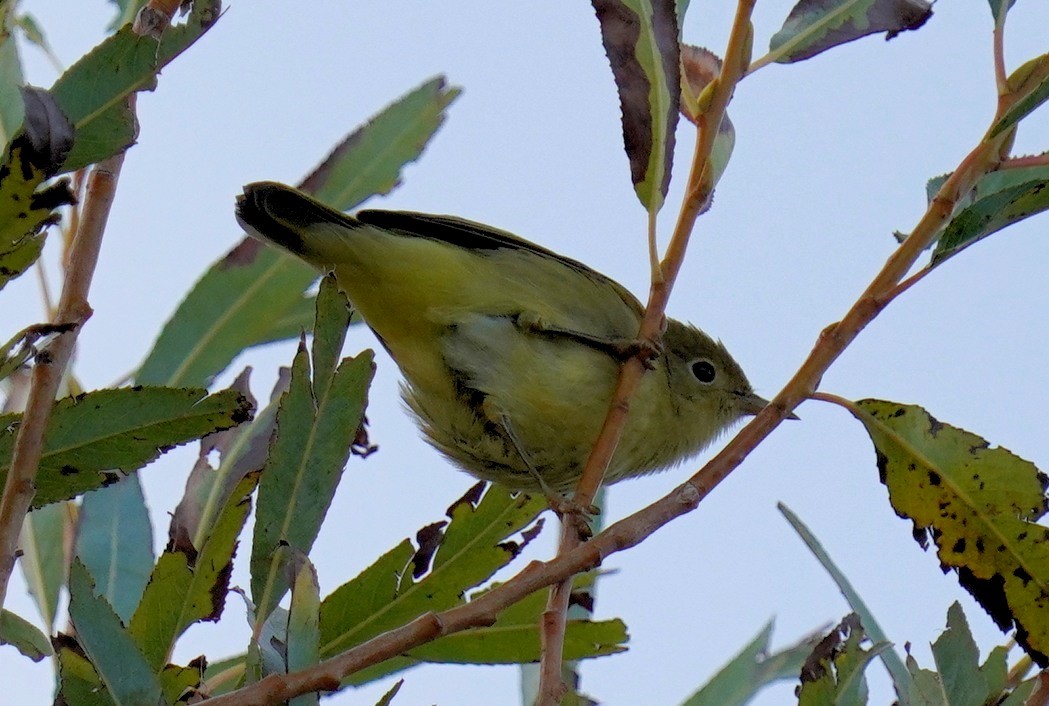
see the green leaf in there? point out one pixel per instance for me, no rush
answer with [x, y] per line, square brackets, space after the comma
[121, 666]
[999, 199]
[12, 109]
[317, 425]
[34, 34]
[100, 82]
[680, 8]
[641, 41]
[369, 161]
[249, 295]
[814, 26]
[224, 675]
[92, 435]
[78, 682]
[958, 679]
[472, 547]
[242, 450]
[126, 11]
[833, 673]
[114, 542]
[1029, 89]
[980, 505]
[752, 669]
[1022, 693]
[178, 681]
[303, 627]
[44, 562]
[999, 8]
[514, 638]
[189, 583]
[387, 698]
[897, 670]
[23, 636]
[519, 642]
[110, 132]
[29, 342]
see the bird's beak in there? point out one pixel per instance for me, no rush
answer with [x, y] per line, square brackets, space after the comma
[752, 404]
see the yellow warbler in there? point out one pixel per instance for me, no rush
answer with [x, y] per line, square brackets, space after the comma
[510, 352]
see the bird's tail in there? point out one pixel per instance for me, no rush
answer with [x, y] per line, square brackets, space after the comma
[279, 214]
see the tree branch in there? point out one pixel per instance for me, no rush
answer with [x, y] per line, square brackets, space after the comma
[73, 310]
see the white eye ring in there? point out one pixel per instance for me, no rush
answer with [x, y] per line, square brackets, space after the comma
[703, 370]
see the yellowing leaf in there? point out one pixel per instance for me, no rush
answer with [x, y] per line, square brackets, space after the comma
[978, 504]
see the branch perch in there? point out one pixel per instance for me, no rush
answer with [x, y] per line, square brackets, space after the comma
[51, 363]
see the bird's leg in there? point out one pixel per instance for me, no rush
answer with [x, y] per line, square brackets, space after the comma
[563, 506]
[620, 349]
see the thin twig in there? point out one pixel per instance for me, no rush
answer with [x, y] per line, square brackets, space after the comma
[697, 193]
[1031, 160]
[73, 308]
[552, 627]
[1000, 78]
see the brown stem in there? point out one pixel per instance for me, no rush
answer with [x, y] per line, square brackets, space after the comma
[74, 310]
[552, 627]
[697, 193]
[1040, 695]
[998, 40]
[1033, 160]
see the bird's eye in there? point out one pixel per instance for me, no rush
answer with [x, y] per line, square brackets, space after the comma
[704, 371]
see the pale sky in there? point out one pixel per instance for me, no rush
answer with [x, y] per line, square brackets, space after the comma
[831, 157]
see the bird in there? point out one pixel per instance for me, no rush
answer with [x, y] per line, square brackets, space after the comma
[509, 352]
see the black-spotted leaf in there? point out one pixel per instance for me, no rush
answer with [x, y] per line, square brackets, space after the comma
[998, 200]
[92, 437]
[1029, 89]
[641, 42]
[979, 504]
[815, 26]
[254, 293]
[27, 206]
